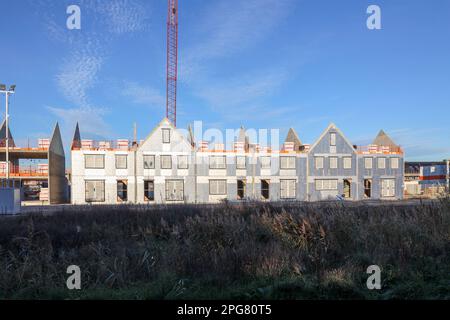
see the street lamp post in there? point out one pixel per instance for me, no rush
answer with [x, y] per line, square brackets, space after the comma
[11, 90]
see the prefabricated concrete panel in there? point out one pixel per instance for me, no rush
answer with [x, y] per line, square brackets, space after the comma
[9, 200]
[57, 182]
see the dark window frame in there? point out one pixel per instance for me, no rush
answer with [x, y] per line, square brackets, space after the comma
[242, 189]
[367, 183]
[124, 197]
[147, 190]
[264, 189]
[154, 160]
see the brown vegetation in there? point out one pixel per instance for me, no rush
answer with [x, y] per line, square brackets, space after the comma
[246, 251]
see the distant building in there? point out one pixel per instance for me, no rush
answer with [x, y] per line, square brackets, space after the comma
[168, 167]
[429, 179]
[45, 180]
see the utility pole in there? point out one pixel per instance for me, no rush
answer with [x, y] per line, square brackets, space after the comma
[11, 90]
[135, 135]
[448, 175]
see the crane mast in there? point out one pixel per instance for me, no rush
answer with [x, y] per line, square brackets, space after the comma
[172, 61]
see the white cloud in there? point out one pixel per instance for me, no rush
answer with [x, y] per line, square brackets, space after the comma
[230, 93]
[140, 94]
[90, 119]
[124, 16]
[231, 26]
[102, 22]
[418, 144]
[77, 75]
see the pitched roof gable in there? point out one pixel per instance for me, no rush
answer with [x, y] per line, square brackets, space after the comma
[331, 126]
[56, 144]
[292, 136]
[76, 141]
[382, 139]
[3, 134]
[166, 122]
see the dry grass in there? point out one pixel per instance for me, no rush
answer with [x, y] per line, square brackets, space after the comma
[249, 251]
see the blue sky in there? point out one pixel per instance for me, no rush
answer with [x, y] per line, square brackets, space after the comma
[257, 63]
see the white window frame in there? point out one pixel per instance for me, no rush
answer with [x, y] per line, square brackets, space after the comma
[97, 164]
[288, 188]
[287, 162]
[333, 162]
[347, 162]
[316, 162]
[98, 185]
[241, 162]
[164, 165]
[326, 184]
[173, 184]
[121, 156]
[165, 132]
[381, 160]
[333, 139]
[368, 163]
[266, 162]
[388, 187]
[395, 163]
[183, 162]
[214, 164]
[217, 187]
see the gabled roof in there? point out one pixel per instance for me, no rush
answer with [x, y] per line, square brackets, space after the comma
[3, 134]
[76, 142]
[383, 139]
[332, 126]
[165, 121]
[292, 136]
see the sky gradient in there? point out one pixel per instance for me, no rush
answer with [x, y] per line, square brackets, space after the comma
[257, 63]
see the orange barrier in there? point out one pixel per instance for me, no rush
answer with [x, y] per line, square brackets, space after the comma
[17, 171]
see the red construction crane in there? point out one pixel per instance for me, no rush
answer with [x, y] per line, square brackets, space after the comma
[172, 61]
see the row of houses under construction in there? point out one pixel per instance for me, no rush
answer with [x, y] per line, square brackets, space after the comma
[168, 167]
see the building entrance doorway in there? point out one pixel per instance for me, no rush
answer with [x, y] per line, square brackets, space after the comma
[367, 188]
[347, 189]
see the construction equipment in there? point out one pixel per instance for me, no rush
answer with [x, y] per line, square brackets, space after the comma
[172, 61]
